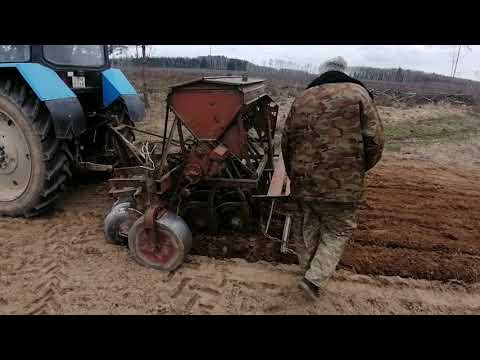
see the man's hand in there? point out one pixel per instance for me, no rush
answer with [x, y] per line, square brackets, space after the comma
[372, 131]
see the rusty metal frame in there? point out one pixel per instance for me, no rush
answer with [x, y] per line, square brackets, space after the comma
[154, 186]
[165, 152]
[165, 128]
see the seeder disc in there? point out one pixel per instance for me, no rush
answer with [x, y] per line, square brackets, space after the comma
[167, 249]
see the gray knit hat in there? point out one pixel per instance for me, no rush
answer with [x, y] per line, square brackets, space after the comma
[335, 64]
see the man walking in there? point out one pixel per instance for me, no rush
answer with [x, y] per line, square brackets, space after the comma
[332, 137]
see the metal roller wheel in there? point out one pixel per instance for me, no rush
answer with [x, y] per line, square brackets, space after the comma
[167, 251]
[117, 224]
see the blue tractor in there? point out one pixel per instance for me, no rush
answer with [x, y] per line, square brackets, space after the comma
[63, 109]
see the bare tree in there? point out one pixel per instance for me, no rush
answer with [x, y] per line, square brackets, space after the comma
[144, 77]
[116, 51]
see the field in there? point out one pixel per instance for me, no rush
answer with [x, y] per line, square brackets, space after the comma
[416, 250]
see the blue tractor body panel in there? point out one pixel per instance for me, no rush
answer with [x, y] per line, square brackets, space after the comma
[65, 108]
[68, 116]
[116, 86]
[45, 82]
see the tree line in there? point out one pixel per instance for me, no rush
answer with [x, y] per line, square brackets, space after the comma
[413, 77]
[217, 63]
[231, 64]
[290, 71]
[200, 62]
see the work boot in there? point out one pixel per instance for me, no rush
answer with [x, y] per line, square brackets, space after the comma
[310, 289]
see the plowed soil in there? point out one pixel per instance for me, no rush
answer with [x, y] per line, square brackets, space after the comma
[421, 220]
[420, 224]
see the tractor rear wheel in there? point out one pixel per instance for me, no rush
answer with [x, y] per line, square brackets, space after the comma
[34, 164]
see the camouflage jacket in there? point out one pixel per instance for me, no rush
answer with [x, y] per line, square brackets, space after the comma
[332, 136]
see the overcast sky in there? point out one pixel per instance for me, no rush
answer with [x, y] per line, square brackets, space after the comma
[429, 58]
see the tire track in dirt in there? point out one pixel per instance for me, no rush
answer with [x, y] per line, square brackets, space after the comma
[53, 274]
[60, 241]
[263, 288]
[198, 292]
[207, 286]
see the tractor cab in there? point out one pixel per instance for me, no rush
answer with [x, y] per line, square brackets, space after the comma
[61, 58]
[78, 66]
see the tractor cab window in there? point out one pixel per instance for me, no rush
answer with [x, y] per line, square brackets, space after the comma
[14, 53]
[75, 55]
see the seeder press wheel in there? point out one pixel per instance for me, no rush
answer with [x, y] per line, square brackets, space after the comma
[166, 248]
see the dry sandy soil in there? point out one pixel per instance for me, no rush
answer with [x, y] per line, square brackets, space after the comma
[60, 264]
[416, 251]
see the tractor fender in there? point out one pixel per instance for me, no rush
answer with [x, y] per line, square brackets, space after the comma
[117, 87]
[65, 108]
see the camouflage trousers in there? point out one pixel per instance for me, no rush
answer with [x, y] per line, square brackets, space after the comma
[320, 233]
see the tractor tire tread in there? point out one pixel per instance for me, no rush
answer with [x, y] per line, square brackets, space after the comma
[58, 166]
[57, 185]
[44, 204]
[43, 129]
[57, 158]
[50, 146]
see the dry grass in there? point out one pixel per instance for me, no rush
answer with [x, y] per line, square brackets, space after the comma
[391, 115]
